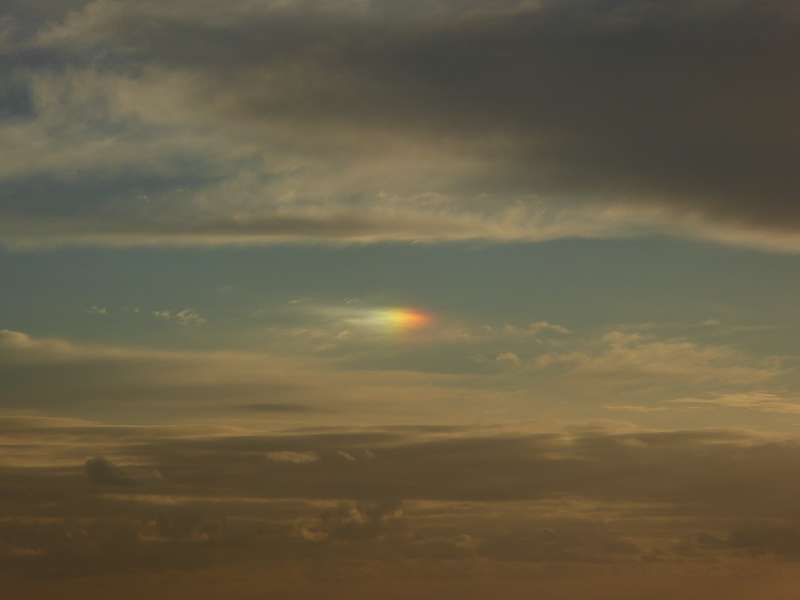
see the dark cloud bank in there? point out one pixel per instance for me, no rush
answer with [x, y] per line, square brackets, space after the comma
[685, 106]
[712, 486]
[411, 506]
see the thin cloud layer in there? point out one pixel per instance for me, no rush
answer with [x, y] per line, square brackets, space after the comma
[180, 123]
[511, 373]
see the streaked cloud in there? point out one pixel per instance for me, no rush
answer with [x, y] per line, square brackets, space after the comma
[296, 458]
[635, 355]
[185, 316]
[619, 133]
[403, 387]
[760, 401]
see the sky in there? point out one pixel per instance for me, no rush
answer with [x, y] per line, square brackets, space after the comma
[426, 299]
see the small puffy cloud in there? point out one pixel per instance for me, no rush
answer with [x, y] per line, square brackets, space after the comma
[186, 316]
[508, 359]
[352, 521]
[346, 455]
[98, 310]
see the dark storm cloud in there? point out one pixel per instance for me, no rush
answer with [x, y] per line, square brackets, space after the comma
[686, 105]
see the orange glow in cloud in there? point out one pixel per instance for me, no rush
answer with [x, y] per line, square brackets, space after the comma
[399, 319]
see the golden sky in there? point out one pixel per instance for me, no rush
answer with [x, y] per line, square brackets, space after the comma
[412, 299]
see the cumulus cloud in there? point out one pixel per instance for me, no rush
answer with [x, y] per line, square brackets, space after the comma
[352, 522]
[582, 119]
[508, 359]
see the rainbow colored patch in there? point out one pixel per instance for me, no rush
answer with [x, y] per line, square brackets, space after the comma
[398, 319]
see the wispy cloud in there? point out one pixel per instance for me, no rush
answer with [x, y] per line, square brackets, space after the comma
[768, 402]
[220, 145]
[185, 316]
[625, 354]
[296, 458]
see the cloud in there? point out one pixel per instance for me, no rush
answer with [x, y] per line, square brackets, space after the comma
[508, 359]
[544, 326]
[101, 471]
[273, 407]
[249, 389]
[144, 123]
[633, 408]
[533, 330]
[528, 502]
[295, 458]
[633, 355]
[768, 402]
[352, 522]
[186, 316]
[346, 456]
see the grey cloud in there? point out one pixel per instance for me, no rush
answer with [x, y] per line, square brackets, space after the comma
[549, 501]
[703, 466]
[782, 541]
[102, 471]
[352, 521]
[720, 473]
[40, 372]
[678, 108]
[754, 539]
[561, 541]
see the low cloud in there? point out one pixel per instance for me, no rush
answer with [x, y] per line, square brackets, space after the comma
[242, 388]
[546, 500]
[295, 458]
[273, 407]
[352, 522]
[508, 359]
[767, 402]
[186, 316]
[102, 471]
